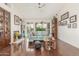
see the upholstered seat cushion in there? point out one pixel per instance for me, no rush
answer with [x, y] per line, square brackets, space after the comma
[37, 44]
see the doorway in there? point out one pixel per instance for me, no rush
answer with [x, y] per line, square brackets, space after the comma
[37, 31]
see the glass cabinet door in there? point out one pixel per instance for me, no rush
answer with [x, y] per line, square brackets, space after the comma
[7, 25]
[4, 28]
[1, 23]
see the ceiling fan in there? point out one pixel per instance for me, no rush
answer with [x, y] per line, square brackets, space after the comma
[40, 5]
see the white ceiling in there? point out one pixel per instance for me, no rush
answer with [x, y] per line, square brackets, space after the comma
[31, 10]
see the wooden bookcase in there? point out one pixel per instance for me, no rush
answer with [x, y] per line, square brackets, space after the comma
[54, 28]
[54, 32]
[4, 28]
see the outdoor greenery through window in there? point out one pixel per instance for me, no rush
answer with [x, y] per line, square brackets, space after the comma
[41, 27]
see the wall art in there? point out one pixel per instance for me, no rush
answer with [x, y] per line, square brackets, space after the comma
[73, 18]
[65, 16]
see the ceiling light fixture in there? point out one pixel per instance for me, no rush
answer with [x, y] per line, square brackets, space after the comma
[40, 5]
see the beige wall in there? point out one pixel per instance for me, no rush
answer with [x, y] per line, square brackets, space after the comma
[65, 34]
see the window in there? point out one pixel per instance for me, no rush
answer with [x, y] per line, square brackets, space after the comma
[41, 26]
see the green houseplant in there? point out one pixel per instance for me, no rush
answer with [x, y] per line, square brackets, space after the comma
[40, 29]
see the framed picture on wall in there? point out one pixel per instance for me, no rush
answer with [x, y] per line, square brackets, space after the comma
[73, 18]
[69, 25]
[65, 16]
[16, 20]
[62, 23]
[74, 25]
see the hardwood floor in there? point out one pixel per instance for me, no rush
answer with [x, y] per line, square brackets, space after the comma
[63, 49]
[66, 49]
[42, 52]
[5, 51]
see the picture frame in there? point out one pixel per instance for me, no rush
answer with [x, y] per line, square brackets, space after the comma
[65, 16]
[73, 18]
[62, 23]
[16, 20]
[74, 25]
[69, 25]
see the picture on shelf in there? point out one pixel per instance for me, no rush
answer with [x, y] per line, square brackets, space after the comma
[73, 19]
[65, 16]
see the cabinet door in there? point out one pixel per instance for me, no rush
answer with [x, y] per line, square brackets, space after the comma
[54, 28]
[1, 27]
[54, 34]
[7, 27]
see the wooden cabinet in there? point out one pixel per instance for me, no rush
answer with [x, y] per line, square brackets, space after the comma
[7, 27]
[4, 28]
[54, 27]
[47, 44]
[54, 31]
